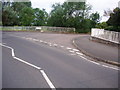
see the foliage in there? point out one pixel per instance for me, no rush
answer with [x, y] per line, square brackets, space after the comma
[68, 14]
[22, 14]
[114, 20]
[102, 25]
[73, 14]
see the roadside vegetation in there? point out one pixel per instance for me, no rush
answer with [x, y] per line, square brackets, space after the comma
[76, 15]
[113, 23]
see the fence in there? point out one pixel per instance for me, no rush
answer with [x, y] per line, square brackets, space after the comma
[18, 28]
[41, 28]
[106, 35]
[58, 29]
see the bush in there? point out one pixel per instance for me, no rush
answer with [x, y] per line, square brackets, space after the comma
[82, 30]
[113, 28]
[102, 25]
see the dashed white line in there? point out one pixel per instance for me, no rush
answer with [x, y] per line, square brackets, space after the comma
[71, 51]
[55, 44]
[62, 46]
[79, 53]
[75, 50]
[93, 62]
[68, 48]
[40, 40]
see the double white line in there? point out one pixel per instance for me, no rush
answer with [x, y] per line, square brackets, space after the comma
[34, 66]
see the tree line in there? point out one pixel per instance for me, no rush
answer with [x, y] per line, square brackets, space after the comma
[68, 14]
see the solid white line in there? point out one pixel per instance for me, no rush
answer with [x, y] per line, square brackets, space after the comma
[36, 67]
[90, 60]
[13, 54]
[47, 80]
[110, 67]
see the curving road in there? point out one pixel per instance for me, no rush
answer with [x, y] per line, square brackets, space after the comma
[65, 70]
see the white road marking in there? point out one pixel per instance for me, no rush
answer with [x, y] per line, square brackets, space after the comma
[83, 57]
[93, 62]
[34, 66]
[40, 40]
[71, 51]
[13, 54]
[62, 46]
[110, 67]
[47, 79]
[79, 53]
[55, 44]
[75, 50]
[68, 48]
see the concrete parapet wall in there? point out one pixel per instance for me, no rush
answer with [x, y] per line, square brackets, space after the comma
[58, 29]
[110, 36]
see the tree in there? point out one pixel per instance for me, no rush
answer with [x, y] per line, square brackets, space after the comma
[70, 14]
[27, 16]
[102, 25]
[40, 17]
[114, 17]
[11, 12]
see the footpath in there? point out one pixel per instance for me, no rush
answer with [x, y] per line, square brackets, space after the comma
[98, 51]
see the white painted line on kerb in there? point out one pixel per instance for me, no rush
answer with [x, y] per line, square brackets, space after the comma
[34, 66]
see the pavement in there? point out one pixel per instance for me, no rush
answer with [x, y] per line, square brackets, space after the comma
[98, 51]
[63, 69]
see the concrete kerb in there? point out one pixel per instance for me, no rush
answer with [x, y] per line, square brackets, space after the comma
[94, 58]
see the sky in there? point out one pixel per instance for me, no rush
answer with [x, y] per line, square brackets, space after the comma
[97, 5]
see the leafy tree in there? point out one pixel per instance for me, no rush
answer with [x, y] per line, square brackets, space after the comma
[26, 16]
[70, 14]
[40, 17]
[114, 19]
[102, 25]
[9, 16]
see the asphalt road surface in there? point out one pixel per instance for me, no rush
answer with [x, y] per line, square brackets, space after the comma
[64, 70]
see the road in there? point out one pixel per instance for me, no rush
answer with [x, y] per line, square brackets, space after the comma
[63, 69]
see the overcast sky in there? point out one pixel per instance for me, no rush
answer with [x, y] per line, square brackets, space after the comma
[97, 5]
